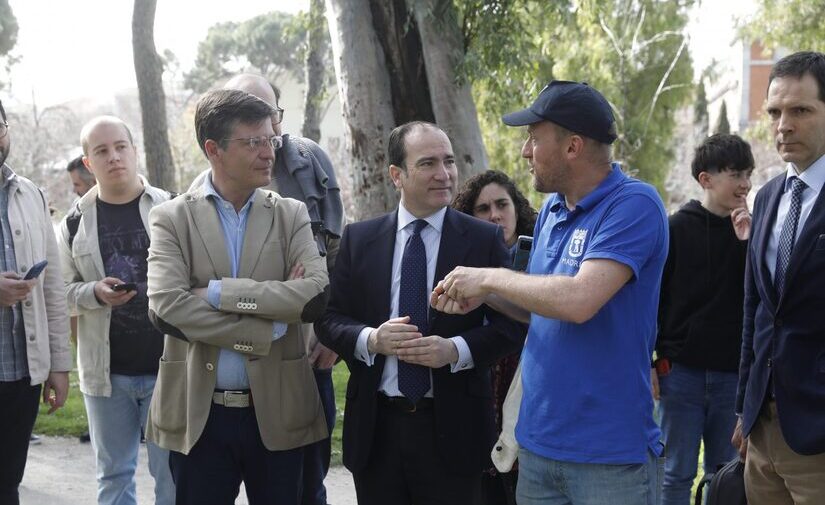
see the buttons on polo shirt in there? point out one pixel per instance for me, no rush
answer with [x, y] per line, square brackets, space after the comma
[23, 269]
[17, 232]
[31, 337]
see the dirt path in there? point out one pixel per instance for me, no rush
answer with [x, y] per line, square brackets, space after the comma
[61, 471]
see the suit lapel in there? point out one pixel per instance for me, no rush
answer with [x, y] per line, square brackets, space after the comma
[258, 226]
[378, 251]
[807, 239]
[763, 237]
[452, 251]
[208, 226]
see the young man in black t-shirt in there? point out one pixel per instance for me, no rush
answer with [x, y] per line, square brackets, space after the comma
[104, 245]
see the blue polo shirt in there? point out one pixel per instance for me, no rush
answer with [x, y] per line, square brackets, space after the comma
[587, 395]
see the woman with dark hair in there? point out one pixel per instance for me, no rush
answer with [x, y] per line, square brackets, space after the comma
[493, 197]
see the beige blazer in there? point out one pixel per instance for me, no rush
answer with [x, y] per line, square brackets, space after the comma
[187, 250]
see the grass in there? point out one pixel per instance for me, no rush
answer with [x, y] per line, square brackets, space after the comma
[70, 421]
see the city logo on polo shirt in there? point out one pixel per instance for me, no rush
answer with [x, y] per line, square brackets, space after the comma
[576, 247]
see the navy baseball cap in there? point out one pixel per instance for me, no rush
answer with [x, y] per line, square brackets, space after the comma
[571, 105]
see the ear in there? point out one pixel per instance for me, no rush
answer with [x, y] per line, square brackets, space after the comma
[211, 147]
[396, 173]
[575, 146]
[705, 180]
[87, 164]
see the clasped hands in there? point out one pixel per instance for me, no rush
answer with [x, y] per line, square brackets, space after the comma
[397, 337]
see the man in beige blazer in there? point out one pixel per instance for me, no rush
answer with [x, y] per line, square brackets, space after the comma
[233, 272]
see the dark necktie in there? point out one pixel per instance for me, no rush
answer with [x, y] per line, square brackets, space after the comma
[414, 380]
[788, 235]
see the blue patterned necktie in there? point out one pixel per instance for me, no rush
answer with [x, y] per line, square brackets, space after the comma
[788, 234]
[414, 380]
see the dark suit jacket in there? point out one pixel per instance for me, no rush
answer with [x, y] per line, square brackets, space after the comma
[360, 297]
[784, 338]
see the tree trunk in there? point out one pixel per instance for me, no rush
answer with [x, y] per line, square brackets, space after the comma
[160, 166]
[314, 72]
[366, 103]
[452, 100]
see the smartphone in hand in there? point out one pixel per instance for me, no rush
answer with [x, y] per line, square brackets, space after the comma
[522, 256]
[126, 286]
[35, 270]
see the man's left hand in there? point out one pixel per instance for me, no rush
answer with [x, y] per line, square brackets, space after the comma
[432, 351]
[56, 390]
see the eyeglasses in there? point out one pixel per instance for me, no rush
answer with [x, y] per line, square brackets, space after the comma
[255, 143]
[4, 129]
[278, 115]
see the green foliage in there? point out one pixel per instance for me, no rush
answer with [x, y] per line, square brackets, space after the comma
[633, 51]
[8, 38]
[794, 24]
[722, 123]
[267, 44]
[700, 112]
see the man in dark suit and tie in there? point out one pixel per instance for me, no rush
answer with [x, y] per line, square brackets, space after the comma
[418, 426]
[781, 399]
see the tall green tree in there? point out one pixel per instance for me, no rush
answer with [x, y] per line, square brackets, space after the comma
[268, 44]
[794, 24]
[8, 38]
[635, 53]
[700, 113]
[722, 123]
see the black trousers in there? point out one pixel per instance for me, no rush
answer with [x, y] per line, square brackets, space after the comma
[405, 467]
[230, 450]
[19, 400]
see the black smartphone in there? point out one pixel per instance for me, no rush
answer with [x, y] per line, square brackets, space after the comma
[126, 286]
[36, 270]
[522, 256]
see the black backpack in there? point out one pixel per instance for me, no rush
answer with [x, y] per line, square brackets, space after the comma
[725, 487]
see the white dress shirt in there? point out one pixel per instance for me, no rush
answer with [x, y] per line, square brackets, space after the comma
[431, 236]
[814, 178]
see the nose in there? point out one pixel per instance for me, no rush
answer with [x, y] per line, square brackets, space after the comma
[495, 215]
[783, 124]
[527, 149]
[443, 172]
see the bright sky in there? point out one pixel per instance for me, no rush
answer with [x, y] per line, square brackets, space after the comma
[81, 48]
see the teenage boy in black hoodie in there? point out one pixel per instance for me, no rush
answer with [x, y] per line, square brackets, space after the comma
[700, 315]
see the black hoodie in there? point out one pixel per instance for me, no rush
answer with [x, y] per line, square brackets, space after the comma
[700, 310]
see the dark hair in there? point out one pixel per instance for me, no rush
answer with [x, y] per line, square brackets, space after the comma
[218, 111]
[76, 164]
[799, 64]
[719, 152]
[465, 200]
[396, 151]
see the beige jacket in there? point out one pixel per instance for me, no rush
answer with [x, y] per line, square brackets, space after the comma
[82, 268]
[187, 250]
[44, 311]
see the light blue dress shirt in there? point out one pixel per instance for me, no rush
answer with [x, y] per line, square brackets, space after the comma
[431, 236]
[814, 178]
[231, 371]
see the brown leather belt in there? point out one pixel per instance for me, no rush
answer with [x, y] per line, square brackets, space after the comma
[233, 399]
[401, 403]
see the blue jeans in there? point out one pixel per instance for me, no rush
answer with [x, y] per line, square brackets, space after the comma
[317, 455]
[544, 481]
[695, 405]
[115, 425]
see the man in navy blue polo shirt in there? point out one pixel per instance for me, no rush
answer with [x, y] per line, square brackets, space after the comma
[590, 294]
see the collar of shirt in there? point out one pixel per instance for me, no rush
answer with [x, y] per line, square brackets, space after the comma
[813, 177]
[436, 220]
[209, 190]
[613, 179]
[7, 175]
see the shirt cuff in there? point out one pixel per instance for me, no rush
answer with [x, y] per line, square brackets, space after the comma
[361, 350]
[213, 293]
[465, 358]
[278, 329]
